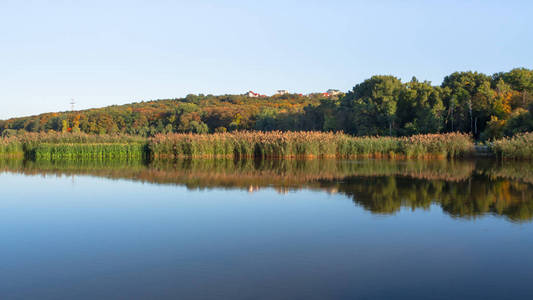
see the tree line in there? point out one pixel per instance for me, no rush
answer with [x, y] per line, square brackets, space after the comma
[486, 106]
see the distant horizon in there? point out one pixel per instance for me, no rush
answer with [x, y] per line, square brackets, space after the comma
[103, 54]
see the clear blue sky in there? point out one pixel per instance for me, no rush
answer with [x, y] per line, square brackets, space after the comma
[113, 52]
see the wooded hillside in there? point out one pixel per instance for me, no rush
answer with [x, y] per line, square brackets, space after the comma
[487, 106]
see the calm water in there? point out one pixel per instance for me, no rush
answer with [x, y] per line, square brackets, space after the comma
[266, 230]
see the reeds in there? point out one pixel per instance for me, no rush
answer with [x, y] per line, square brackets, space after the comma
[31, 138]
[519, 146]
[11, 147]
[68, 146]
[88, 152]
[445, 145]
[278, 144]
[243, 144]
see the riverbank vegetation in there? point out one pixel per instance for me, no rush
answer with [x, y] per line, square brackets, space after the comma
[484, 106]
[87, 152]
[11, 147]
[308, 144]
[256, 144]
[519, 146]
[67, 146]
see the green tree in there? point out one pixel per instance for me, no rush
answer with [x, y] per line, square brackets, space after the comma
[266, 120]
[420, 108]
[374, 104]
[64, 126]
[460, 89]
[198, 127]
[519, 79]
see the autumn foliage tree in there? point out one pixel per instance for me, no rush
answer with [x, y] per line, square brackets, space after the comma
[469, 102]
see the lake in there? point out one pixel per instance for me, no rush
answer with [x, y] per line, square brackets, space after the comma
[278, 229]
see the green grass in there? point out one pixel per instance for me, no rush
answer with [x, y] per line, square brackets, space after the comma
[67, 146]
[88, 151]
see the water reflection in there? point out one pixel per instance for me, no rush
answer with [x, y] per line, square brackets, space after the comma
[468, 198]
[463, 189]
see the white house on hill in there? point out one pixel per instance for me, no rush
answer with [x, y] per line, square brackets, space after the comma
[333, 92]
[252, 94]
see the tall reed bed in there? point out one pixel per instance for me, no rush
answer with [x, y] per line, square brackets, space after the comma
[11, 147]
[244, 144]
[69, 146]
[519, 146]
[307, 144]
[88, 151]
[77, 138]
[445, 145]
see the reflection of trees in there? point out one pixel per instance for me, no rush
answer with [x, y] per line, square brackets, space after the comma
[463, 189]
[501, 197]
[470, 198]
[385, 194]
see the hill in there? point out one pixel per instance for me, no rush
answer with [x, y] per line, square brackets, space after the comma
[485, 106]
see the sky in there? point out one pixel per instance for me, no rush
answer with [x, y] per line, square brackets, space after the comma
[102, 53]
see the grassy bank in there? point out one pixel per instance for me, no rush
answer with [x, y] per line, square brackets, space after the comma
[308, 144]
[519, 146]
[243, 144]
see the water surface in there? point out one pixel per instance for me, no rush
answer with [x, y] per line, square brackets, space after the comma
[266, 230]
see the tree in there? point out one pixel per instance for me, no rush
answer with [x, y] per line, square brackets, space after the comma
[420, 108]
[460, 89]
[381, 105]
[64, 126]
[266, 120]
[374, 104]
[198, 127]
[521, 120]
[236, 122]
[519, 79]
[76, 124]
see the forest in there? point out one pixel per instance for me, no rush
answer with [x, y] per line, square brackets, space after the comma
[484, 106]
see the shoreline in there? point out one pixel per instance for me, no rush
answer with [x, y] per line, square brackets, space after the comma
[253, 145]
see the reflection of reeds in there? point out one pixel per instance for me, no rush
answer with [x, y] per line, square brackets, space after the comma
[519, 146]
[243, 173]
[522, 172]
[464, 189]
